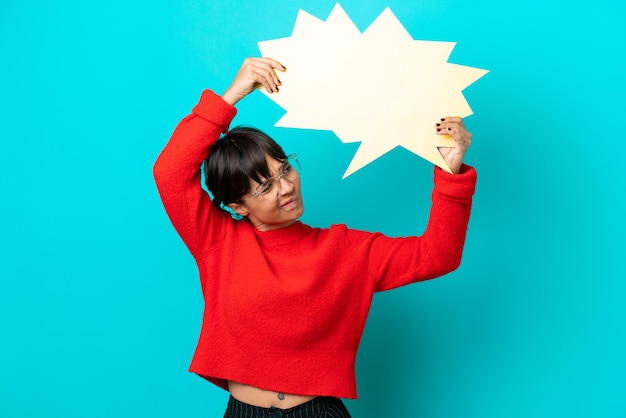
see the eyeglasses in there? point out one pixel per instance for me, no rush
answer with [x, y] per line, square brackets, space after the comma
[270, 188]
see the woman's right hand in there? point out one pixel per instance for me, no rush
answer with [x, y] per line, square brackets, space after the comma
[254, 71]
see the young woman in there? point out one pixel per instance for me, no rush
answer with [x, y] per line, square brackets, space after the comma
[285, 303]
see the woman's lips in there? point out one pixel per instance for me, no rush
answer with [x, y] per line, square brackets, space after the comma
[290, 204]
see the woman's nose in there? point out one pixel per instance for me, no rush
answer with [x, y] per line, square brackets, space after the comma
[284, 186]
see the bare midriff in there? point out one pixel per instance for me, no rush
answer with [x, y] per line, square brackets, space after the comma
[265, 398]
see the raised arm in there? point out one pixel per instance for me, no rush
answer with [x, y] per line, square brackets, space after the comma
[439, 250]
[177, 169]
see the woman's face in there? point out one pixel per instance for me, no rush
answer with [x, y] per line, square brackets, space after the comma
[278, 208]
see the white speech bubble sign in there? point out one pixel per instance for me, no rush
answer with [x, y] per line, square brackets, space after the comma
[381, 87]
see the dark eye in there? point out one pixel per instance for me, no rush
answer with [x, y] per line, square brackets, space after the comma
[265, 187]
[287, 168]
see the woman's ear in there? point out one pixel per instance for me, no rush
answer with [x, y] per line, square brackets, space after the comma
[231, 212]
[238, 208]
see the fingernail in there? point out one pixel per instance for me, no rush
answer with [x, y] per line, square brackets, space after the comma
[442, 119]
[280, 82]
[438, 124]
[438, 129]
[449, 129]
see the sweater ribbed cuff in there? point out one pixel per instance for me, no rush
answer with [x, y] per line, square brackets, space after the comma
[215, 110]
[462, 185]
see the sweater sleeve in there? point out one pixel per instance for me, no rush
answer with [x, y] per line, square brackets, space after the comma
[438, 251]
[177, 172]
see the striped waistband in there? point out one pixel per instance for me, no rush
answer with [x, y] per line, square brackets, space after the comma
[314, 408]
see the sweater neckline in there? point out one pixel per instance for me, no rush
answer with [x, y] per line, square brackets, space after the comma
[282, 236]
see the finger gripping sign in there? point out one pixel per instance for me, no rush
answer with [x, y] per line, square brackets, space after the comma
[381, 87]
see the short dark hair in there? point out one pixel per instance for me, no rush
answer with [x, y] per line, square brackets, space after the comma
[234, 159]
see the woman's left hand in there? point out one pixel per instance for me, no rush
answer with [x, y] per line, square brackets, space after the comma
[453, 126]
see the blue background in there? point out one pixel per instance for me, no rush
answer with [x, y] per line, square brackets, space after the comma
[100, 305]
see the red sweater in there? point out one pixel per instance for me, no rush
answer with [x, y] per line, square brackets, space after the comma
[285, 309]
